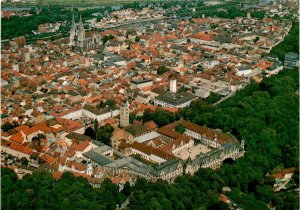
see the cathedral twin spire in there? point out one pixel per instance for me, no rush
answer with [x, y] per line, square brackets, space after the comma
[77, 33]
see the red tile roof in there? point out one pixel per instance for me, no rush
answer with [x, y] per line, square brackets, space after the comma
[77, 166]
[223, 198]
[18, 147]
[281, 174]
[17, 137]
[151, 150]
[81, 146]
[122, 178]
[202, 36]
[65, 112]
[48, 158]
[177, 142]
[57, 174]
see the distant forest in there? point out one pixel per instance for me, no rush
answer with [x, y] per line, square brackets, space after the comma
[20, 26]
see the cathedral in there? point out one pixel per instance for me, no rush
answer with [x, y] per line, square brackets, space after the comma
[81, 39]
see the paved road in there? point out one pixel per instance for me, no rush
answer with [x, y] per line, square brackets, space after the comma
[126, 203]
[222, 99]
[231, 94]
[283, 185]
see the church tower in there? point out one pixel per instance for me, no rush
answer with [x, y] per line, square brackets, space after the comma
[248, 15]
[189, 165]
[72, 32]
[81, 33]
[173, 83]
[124, 113]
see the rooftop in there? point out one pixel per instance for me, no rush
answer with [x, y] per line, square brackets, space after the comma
[97, 111]
[176, 98]
[140, 81]
[97, 157]
[147, 137]
[78, 136]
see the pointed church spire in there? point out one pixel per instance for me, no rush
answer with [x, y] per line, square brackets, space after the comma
[72, 31]
[73, 20]
[81, 35]
[80, 20]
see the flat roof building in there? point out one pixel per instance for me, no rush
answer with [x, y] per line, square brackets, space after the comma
[141, 83]
[291, 60]
[171, 99]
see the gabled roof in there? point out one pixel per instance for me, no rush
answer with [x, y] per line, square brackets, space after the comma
[151, 150]
[18, 147]
[167, 166]
[17, 137]
[97, 111]
[81, 146]
[136, 130]
[77, 166]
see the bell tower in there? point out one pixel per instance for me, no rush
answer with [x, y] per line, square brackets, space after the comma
[124, 113]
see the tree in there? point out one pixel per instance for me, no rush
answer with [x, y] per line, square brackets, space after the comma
[127, 189]
[258, 14]
[24, 161]
[101, 105]
[159, 116]
[96, 126]
[269, 180]
[256, 39]
[264, 193]
[213, 98]
[8, 126]
[137, 39]
[38, 138]
[132, 117]
[200, 68]
[213, 26]
[287, 45]
[90, 132]
[110, 103]
[278, 202]
[104, 134]
[179, 128]
[287, 200]
[40, 161]
[70, 192]
[218, 206]
[138, 157]
[161, 70]
[106, 38]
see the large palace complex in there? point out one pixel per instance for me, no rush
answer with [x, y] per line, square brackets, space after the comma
[173, 153]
